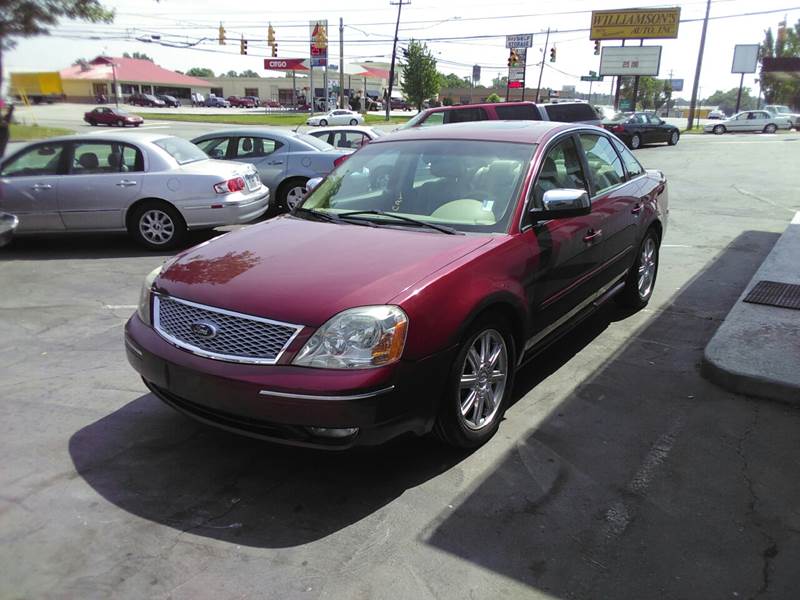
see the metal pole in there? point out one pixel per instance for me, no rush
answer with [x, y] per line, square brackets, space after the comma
[541, 67]
[591, 81]
[394, 55]
[311, 84]
[524, 69]
[325, 86]
[636, 83]
[619, 85]
[739, 95]
[341, 63]
[294, 90]
[114, 73]
[693, 103]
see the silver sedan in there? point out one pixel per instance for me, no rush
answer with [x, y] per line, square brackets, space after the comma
[285, 160]
[749, 120]
[156, 187]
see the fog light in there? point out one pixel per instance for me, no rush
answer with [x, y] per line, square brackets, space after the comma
[333, 432]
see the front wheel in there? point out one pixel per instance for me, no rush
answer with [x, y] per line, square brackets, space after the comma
[479, 385]
[642, 277]
[353, 121]
[93, 123]
[636, 141]
[323, 122]
[771, 128]
[120, 123]
[157, 226]
[718, 129]
[673, 139]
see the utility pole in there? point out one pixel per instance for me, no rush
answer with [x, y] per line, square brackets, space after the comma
[693, 103]
[341, 63]
[636, 84]
[388, 98]
[541, 66]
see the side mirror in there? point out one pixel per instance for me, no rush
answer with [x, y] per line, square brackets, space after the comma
[8, 223]
[312, 183]
[562, 204]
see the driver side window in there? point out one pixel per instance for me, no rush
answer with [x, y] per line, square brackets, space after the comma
[38, 161]
[561, 168]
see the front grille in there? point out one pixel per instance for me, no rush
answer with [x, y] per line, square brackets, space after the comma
[221, 334]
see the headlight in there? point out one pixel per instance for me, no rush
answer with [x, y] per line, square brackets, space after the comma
[145, 294]
[358, 338]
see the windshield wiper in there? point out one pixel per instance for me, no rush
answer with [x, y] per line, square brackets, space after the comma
[325, 216]
[356, 213]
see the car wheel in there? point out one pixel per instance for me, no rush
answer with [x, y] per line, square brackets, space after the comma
[120, 123]
[136, 124]
[93, 123]
[157, 226]
[719, 129]
[479, 385]
[353, 121]
[771, 128]
[642, 275]
[323, 122]
[635, 142]
[291, 193]
[673, 139]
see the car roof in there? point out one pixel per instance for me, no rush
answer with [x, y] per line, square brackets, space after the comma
[528, 132]
[363, 128]
[478, 105]
[249, 131]
[127, 136]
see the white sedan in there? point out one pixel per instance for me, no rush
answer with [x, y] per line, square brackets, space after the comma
[349, 136]
[749, 120]
[336, 117]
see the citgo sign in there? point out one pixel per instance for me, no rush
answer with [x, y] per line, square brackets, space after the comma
[285, 64]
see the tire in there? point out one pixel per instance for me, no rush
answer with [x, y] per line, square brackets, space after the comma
[719, 129]
[291, 192]
[642, 276]
[771, 128]
[157, 226]
[636, 142]
[323, 122]
[136, 124]
[93, 123]
[673, 138]
[120, 123]
[473, 404]
[353, 121]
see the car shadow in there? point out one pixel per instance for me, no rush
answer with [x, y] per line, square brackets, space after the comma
[640, 483]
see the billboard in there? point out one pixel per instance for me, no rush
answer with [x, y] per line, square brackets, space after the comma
[745, 58]
[630, 60]
[318, 31]
[635, 23]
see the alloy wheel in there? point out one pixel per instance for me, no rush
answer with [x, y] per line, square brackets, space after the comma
[636, 141]
[647, 268]
[484, 375]
[294, 196]
[156, 226]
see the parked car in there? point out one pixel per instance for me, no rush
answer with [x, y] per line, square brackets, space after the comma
[717, 114]
[145, 100]
[242, 102]
[566, 112]
[346, 136]
[198, 99]
[104, 115]
[373, 312]
[256, 100]
[217, 102]
[399, 104]
[336, 117]
[170, 101]
[153, 186]
[749, 120]
[640, 128]
[8, 225]
[272, 104]
[783, 111]
[605, 111]
[285, 160]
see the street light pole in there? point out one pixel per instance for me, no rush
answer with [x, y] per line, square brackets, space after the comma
[388, 98]
[693, 103]
[341, 63]
[541, 67]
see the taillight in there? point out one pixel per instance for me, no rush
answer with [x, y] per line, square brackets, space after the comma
[340, 160]
[618, 128]
[232, 185]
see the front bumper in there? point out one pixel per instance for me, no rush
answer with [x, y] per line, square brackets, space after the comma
[282, 402]
[203, 216]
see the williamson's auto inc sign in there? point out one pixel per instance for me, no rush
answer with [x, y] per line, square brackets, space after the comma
[635, 23]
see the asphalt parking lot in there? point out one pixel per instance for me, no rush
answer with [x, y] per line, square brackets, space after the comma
[619, 472]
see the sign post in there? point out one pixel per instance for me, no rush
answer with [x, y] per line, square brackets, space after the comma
[745, 60]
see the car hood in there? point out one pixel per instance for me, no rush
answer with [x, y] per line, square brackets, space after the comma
[304, 272]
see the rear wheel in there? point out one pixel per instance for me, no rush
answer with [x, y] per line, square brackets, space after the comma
[771, 128]
[93, 123]
[673, 138]
[291, 192]
[323, 122]
[353, 121]
[719, 129]
[157, 226]
[642, 276]
[120, 123]
[636, 141]
[479, 385]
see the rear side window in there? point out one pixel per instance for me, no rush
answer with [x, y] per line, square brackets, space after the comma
[436, 118]
[605, 166]
[464, 115]
[632, 165]
[520, 112]
[570, 113]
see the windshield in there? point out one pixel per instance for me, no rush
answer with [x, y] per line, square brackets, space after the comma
[181, 150]
[466, 185]
[314, 142]
[781, 109]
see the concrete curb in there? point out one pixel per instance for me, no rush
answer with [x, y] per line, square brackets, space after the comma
[756, 350]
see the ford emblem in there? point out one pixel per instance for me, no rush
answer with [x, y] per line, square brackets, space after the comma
[204, 329]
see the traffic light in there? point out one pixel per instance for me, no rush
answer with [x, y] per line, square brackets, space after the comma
[596, 47]
[221, 35]
[553, 54]
[274, 49]
[243, 46]
[513, 58]
[270, 35]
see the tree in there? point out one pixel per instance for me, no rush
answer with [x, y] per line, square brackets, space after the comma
[652, 94]
[493, 98]
[80, 61]
[231, 73]
[419, 75]
[249, 73]
[27, 18]
[500, 82]
[726, 101]
[778, 90]
[200, 72]
[137, 55]
[450, 81]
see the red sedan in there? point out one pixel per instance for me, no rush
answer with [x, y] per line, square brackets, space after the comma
[238, 102]
[404, 303]
[104, 115]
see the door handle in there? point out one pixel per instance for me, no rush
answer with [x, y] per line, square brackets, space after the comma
[275, 162]
[41, 186]
[636, 209]
[592, 235]
[126, 183]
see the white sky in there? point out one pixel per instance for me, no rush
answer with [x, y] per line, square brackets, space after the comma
[368, 33]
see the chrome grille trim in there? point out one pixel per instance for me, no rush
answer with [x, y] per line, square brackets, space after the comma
[245, 321]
